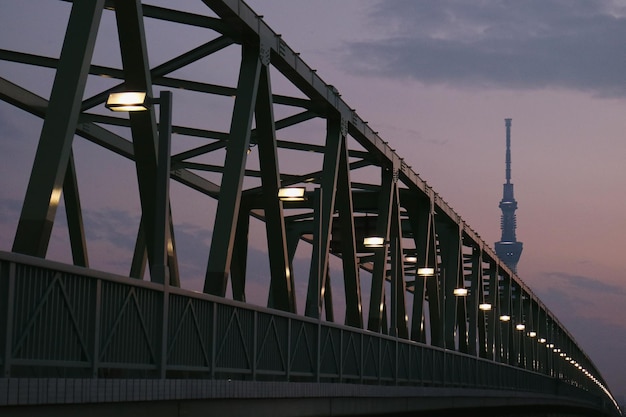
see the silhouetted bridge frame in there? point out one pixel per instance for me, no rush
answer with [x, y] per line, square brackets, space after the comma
[65, 325]
[72, 336]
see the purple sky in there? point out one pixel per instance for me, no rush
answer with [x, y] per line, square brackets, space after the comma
[436, 79]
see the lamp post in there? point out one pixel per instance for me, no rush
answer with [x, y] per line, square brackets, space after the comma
[139, 101]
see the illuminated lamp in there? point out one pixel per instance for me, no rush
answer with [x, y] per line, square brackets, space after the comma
[460, 292]
[374, 242]
[425, 272]
[291, 194]
[128, 101]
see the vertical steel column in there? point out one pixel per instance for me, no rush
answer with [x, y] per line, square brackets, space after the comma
[328, 189]
[140, 255]
[526, 339]
[345, 208]
[376, 321]
[55, 143]
[328, 298]
[476, 331]
[240, 255]
[434, 290]
[398, 283]
[419, 220]
[132, 40]
[517, 318]
[449, 239]
[493, 336]
[542, 334]
[220, 254]
[282, 280]
[74, 215]
[505, 327]
[159, 269]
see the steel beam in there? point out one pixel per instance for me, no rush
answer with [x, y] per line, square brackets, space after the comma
[345, 209]
[220, 254]
[376, 317]
[55, 143]
[74, 214]
[398, 313]
[282, 280]
[324, 217]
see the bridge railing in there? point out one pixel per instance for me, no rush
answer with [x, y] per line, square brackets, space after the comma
[62, 321]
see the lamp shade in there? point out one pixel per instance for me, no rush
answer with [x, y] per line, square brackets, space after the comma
[505, 317]
[374, 242]
[291, 194]
[425, 272]
[460, 292]
[127, 101]
[484, 306]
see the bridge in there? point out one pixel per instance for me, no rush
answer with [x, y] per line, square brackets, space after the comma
[421, 314]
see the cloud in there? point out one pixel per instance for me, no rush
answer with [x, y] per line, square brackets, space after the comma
[499, 43]
[586, 283]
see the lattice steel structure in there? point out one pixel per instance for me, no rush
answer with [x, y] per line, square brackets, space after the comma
[356, 187]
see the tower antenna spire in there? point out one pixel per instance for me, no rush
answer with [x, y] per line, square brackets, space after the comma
[508, 248]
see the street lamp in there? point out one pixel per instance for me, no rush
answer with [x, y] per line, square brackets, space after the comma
[131, 101]
[460, 292]
[128, 101]
[291, 194]
[374, 242]
[425, 272]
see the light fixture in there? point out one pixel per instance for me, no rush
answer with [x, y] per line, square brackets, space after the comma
[374, 242]
[542, 340]
[484, 307]
[532, 334]
[550, 345]
[425, 272]
[128, 101]
[291, 194]
[562, 354]
[520, 327]
[410, 259]
[460, 292]
[132, 101]
[505, 317]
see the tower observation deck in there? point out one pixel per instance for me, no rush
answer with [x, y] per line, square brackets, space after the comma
[508, 248]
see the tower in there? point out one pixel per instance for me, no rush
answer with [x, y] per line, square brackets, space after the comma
[508, 248]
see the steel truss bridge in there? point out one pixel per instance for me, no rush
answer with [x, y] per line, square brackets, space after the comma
[74, 335]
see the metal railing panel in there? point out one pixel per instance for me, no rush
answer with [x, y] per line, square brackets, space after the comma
[53, 318]
[272, 344]
[130, 326]
[189, 334]
[68, 322]
[303, 349]
[352, 357]
[234, 339]
[330, 352]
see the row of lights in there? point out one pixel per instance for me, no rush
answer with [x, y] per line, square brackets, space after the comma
[139, 101]
[295, 194]
[298, 194]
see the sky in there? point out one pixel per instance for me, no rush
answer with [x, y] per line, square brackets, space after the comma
[436, 79]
